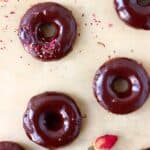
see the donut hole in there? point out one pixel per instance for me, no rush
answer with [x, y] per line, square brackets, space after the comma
[47, 31]
[121, 87]
[53, 121]
[143, 2]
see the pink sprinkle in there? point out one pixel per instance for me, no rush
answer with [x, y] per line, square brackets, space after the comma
[3, 0]
[93, 15]
[110, 25]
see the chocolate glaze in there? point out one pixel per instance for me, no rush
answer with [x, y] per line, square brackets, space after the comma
[137, 92]
[135, 13]
[8, 145]
[35, 43]
[52, 119]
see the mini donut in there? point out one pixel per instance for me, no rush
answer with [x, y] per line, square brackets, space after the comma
[9, 145]
[132, 75]
[54, 17]
[52, 119]
[135, 13]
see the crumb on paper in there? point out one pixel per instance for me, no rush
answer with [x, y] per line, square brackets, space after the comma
[132, 50]
[114, 51]
[79, 34]
[82, 15]
[12, 12]
[85, 24]
[84, 116]
[102, 44]
[109, 57]
[91, 148]
[95, 20]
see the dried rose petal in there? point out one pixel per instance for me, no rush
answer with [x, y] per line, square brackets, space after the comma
[105, 142]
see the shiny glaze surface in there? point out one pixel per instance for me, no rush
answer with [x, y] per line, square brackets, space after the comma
[52, 119]
[129, 70]
[60, 44]
[8, 145]
[134, 13]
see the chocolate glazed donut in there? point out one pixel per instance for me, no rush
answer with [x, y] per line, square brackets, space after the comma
[35, 38]
[126, 73]
[9, 145]
[52, 119]
[135, 13]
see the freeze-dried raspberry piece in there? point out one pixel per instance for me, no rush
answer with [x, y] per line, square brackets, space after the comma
[105, 142]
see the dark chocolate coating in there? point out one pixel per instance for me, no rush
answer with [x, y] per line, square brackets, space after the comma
[60, 44]
[134, 12]
[52, 119]
[133, 98]
[8, 145]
